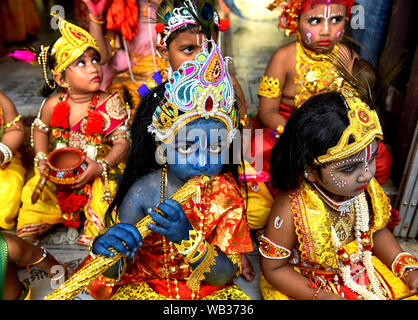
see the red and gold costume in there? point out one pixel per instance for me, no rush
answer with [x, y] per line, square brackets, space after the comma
[220, 217]
[36, 219]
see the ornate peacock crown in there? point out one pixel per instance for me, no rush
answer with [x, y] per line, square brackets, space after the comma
[202, 13]
[364, 127]
[74, 41]
[200, 88]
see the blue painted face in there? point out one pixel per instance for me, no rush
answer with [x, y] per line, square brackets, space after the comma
[199, 148]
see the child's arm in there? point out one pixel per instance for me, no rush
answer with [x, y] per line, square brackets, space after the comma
[386, 248]
[97, 15]
[13, 126]
[278, 272]
[115, 155]
[270, 96]
[41, 134]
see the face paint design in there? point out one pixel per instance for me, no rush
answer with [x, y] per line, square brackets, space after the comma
[367, 157]
[327, 15]
[341, 183]
[309, 38]
[278, 223]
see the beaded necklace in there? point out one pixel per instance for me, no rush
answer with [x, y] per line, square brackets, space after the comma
[169, 248]
[364, 252]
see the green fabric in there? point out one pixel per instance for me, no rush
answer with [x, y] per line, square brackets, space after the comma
[4, 256]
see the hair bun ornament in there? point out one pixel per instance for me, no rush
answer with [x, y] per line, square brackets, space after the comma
[224, 24]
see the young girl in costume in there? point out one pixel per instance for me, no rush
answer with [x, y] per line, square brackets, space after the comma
[194, 249]
[326, 237]
[15, 251]
[79, 116]
[303, 68]
[126, 36]
[12, 172]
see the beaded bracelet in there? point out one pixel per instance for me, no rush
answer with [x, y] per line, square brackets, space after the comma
[38, 157]
[44, 255]
[7, 153]
[107, 196]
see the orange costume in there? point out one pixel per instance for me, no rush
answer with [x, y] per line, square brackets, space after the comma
[159, 270]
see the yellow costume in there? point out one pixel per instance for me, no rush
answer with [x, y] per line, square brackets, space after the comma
[12, 178]
[34, 219]
[315, 255]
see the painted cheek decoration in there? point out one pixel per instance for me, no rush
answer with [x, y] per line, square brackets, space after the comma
[309, 38]
[341, 183]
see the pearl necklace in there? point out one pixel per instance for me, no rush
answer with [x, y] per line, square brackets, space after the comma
[342, 207]
[365, 255]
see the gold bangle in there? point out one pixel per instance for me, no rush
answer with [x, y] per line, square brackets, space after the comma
[188, 246]
[12, 123]
[198, 274]
[201, 250]
[94, 19]
[44, 255]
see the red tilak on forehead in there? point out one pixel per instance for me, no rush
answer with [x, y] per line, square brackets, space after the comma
[307, 4]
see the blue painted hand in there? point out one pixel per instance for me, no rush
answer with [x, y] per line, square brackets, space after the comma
[174, 226]
[122, 237]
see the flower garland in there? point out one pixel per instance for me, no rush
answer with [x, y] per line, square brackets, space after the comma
[365, 254]
[72, 202]
[93, 125]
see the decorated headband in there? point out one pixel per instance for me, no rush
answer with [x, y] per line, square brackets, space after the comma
[74, 41]
[364, 127]
[289, 11]
[175, 18]
[200, 88]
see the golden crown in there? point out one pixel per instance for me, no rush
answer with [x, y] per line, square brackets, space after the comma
[364, 127]
[74, 41]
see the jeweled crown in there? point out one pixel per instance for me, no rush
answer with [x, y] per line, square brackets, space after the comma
[364, 127]
[200, 88]
[74, 41]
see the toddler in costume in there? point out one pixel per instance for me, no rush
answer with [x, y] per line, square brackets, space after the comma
[304, 68]
[187, 128]
[326, 237]
[79, 116]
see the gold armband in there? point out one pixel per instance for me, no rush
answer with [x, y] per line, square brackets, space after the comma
[198, 274]
[269, 87]
[13, 123]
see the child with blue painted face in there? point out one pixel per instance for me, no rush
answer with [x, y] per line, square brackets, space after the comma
[194, 249]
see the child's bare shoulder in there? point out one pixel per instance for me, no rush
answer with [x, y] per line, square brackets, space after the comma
[283, 57]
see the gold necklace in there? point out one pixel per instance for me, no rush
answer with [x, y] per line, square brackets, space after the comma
[169, 249]
[343, 225]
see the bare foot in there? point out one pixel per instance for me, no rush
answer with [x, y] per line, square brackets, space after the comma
[247, 268]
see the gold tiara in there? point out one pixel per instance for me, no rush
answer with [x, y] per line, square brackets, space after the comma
[74, 41]
[364, 127]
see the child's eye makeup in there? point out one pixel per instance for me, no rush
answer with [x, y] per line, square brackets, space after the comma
[314, 20]
[337, 19]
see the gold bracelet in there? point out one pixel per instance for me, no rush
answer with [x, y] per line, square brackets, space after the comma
[44, 255]
[92, 18]
[107, 196]
[38, 157]
[189, 245]
[201, 250]
[16, 120]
